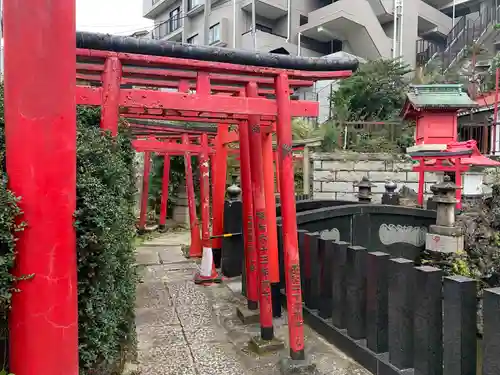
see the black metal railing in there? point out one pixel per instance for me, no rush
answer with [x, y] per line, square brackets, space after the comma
[461, 37]
[167, 27]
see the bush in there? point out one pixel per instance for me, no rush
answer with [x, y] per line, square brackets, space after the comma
[105, 232]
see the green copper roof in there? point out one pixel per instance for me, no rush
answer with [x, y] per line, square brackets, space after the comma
[439, 96]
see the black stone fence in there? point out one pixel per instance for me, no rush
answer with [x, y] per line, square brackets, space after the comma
[392, 316]
[298, 198]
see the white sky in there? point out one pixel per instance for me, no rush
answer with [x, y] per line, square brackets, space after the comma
[122, 17]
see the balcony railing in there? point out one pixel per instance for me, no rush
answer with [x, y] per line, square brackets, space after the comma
[167, 27]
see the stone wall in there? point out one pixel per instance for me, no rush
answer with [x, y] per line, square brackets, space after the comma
[335, 174]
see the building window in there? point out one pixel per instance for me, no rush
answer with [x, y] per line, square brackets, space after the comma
[175, 19]
[193, 39]
[303, 20]
[214, 34]
[194, 3]
[263, 28]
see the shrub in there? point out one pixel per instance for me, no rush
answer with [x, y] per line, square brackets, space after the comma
[105, 231]
[8, 226]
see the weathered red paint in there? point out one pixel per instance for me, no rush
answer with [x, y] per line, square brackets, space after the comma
[260, 222]
[272, 233]
[180, 101]
[219, 181]
[205, 192]
[155, 145]
[289, 219]
[111, 79]
[40, 129]
[251, 257]
[145, 191]
[195, 250]
[276, 167]
[164, 190]
[138, 72]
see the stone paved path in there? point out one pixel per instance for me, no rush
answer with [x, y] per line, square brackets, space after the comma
[185, 329]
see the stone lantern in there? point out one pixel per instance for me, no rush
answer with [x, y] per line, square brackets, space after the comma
[365, 190]
[390, 196]
[233, 192]
[445, 236]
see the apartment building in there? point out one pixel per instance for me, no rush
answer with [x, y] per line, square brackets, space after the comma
[364, 28]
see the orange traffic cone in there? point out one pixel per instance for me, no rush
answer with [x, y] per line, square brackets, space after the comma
[208, 274]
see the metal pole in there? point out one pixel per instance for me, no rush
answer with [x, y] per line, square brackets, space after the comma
[234, 23]
[289, 22]
[206, 22]
[401, 28]
[254, 25]
[260, 220]
[495, 112]
[145, 191]
[299, 42]
[289, 219]
[164, 191]
[453, 20]
[395, 30]
[40, 130]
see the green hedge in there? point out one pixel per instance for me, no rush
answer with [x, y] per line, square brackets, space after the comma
[105, 228]
[105, 231]
[8, 226]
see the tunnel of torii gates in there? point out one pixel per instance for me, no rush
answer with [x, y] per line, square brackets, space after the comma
[163, 139]
[42, 61]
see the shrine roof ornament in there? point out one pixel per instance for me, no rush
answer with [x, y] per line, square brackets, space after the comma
[442, 96]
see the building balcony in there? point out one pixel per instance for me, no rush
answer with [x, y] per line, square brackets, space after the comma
[170, 30]
[270, 9]
[273, 43]
[342, 20]
[153, 8]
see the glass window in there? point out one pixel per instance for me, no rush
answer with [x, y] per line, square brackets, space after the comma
[175, 19]
[194, 3]
[214, 34]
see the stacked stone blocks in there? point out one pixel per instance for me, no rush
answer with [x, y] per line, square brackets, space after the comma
[336, 174]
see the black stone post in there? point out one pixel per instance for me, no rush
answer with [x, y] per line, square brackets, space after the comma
[401, 296]
[460, 329]
[377, 302]
[356, 292]
[390, 196]
[281, 256]
[339, 287]
[325, 307]
[233, 247]
[302, 258]
[491, 332]
[313, 271]
[365, 190]
[428, 321]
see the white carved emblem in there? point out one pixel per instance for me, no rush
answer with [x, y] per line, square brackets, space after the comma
[390, 234]
[330, 234]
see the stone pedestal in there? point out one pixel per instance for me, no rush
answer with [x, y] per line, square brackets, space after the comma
[444, 236]
[181, 209]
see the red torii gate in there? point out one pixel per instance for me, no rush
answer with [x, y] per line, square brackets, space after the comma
[40, 117]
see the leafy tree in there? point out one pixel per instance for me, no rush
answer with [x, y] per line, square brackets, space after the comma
[375, 92]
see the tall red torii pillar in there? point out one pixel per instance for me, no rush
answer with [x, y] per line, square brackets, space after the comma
[40, 117]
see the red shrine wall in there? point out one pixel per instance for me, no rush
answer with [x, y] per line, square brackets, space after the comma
[436, 128]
